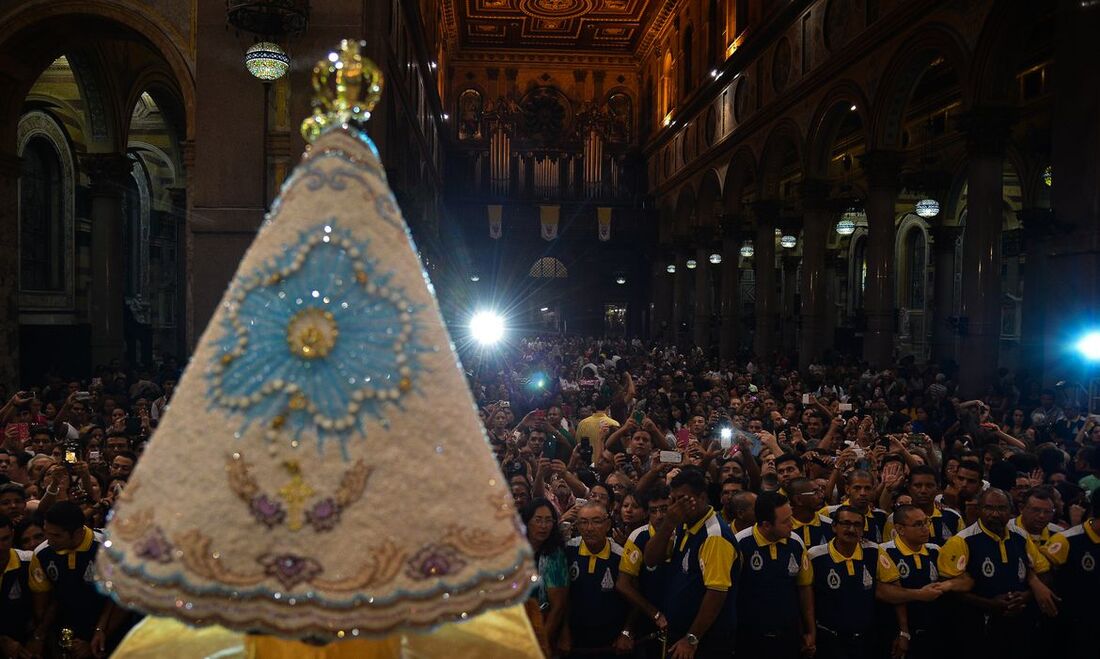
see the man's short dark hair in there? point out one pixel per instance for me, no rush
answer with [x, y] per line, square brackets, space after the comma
[1041, 492]
[971, 465]
[988, 492]
[902, 513]
[601, 402]
[117, 433]
[861, 473]
[845, 508]
[67, 515]
[798, 482]
[40, 430]
[125, 453]
[790, 457]
[8, 488]
[766, 503]
[656, 493]
[923, 470]
[691, 477]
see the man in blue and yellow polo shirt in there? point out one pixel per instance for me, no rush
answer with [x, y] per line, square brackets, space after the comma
[642, 586]
[775, 593]
[923, 488]
[1036, 513]
[62, 578]
[916, 559]
[1075, 553]
[861, 488]
[597, 612]
[993, 619]
[849, 574]
[809, 524]
[700, 548]
[15, 594]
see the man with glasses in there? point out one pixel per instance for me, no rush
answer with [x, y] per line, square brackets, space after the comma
[849, 575]
[597, 612]
[916, 559]
[1036, 515]
[993, 619]
[808, 523]
[861, 488]
[923, 487]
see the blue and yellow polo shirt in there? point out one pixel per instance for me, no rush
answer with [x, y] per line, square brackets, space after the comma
[874, 522]
[942, 524]
[651, 580]
[844, 587]
[1040, 539]
[916, 569]
[70, 576]
[771, 572]
[818, 531]
[15, 596]
[702, 557]
[597, 612]
[1076, 554]
[998, 564]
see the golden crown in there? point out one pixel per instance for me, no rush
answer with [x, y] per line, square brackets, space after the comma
[346, 87]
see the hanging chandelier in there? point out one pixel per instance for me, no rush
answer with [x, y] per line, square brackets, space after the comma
[747, 249]
[620, 280]
[671, 268]
[266, 61]
[715, 258]
[691, 264]
[927, 208]
[846, 226]
[787, 241]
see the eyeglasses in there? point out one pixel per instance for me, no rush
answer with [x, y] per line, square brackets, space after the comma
[837, 522]
[591, 522]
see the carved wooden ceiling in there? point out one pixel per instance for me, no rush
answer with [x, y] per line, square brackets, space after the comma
[606, 26]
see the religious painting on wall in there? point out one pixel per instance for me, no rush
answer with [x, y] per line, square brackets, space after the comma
[470, 106]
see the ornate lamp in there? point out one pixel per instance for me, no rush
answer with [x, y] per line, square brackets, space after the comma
[846, 226]
[620, 280]
[747, 249]
[671, 268]
[927, 208]
[715, 258]
[691, 264]
[787, 241]
[267, 61]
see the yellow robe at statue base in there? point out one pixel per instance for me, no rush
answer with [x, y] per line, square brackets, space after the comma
[501, 634]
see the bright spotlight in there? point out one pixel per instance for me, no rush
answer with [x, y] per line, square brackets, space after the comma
[487, 327]
[1089, 346]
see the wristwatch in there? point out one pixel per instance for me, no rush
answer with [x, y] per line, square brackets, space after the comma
[692, 640]
[905, 635]
[625, 632]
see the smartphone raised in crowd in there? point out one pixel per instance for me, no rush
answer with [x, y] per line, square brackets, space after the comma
[671, 457]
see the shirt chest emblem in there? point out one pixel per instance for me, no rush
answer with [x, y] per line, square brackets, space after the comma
[51, 570]
[16, 592]
[867, 580]
[757, 561]
[1088, 563]
[833, 579]
[988, 568]
[685, 565]
[89, 572]
[574, 571]
[608, 583]
[792, 566]
[903, 569]
[1021, 570]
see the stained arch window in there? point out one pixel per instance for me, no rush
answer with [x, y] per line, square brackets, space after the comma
[548, 267]
[41, 218]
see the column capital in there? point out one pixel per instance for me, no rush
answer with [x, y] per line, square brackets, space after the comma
[881, 168]
[107, 171]
[987, 129]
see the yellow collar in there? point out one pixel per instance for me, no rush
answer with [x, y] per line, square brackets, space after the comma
[604, 553]
[993, 535]
[13, 561]
[84, 545]
[837, 557]
[1043, 533]
[816, 522]
[936, 512]
[761, 540]
[906, 551]
[702, 522]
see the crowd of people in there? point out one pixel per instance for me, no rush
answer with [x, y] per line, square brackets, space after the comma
[684, 507]
[677, 506]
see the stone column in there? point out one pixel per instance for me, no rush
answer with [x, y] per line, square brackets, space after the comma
[679, 299]
[816, 224]
[1071, 287]
[767, 302]
[9, 270]
[881, 170]
[703, 297]
[788, 322]
[987, 132]
[944, 335]
[108, 173]
[730, 304]
[1037, 223]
